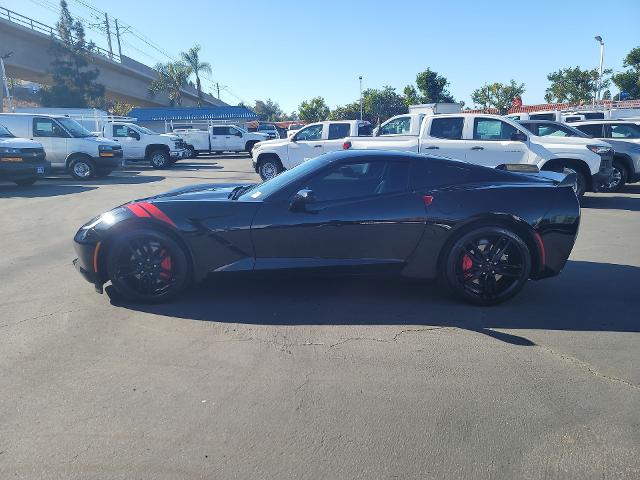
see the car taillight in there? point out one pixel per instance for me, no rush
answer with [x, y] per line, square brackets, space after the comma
[346, 145]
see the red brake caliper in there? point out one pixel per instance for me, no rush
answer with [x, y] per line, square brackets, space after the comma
[166, 265]
[467, 263]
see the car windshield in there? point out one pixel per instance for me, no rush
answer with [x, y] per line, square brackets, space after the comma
[74, 128]
[263, 190]
[146, 131]
[552, 130]
[4, 132]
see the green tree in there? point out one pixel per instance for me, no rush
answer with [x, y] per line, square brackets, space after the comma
[498, 95]
[268, 111]
[433, 87]
[314, 110]
[172, 78]
[74, 82]
[192, 58]
[629, 80]
[350, 111]
[380, 105]
[411, 96]
[574, 85]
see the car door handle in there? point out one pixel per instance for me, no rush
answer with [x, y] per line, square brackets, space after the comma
[228, 137]
[477, 148]
[317, 146]
[431, 147]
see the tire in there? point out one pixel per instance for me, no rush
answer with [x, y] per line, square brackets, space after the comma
[471, 267]
[249, 146]
[269, 168]
[159, 159]
[619, 177]
[581, 184]
[191, 152]
[26, 182]
[82, 168]
[147, 266]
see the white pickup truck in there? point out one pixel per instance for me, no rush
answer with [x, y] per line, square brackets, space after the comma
[218, 139]
[141, 144]
[492, 140]
[274, 156]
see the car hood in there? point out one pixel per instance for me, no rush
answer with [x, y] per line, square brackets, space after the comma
[551, 140]
[276, 142]
[101, 141]
[15, 142]
[171, 137]
[194, 193]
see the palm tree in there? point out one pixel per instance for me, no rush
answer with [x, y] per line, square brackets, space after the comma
[172, 77]
[192, 58]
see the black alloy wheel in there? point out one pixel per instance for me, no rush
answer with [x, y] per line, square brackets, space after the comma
[147, 266]
[488, 265]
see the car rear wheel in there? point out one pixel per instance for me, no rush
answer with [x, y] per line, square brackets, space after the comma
[618, 178]
[82, 169]
[160, 159]
[487, 265]
[269, 168]
[147, 266]
[191, 152]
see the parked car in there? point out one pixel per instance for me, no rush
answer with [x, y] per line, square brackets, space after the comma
[21, 161]
[624, 137]
[67, 144]
[274, 156]
[218, 139]
[293, 128]
[142, 144]
[269, 129]
[492, 140]
[485, 232]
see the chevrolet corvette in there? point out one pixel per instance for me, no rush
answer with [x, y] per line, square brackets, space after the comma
[484, 232]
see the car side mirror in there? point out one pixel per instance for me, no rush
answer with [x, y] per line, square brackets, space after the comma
[238, 134]
[135, 135]
[518, 137]
[301, 200]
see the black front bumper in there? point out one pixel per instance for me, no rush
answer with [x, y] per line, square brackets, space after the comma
[22, 170]
[85, 262]
[109, 163]
[605, 172]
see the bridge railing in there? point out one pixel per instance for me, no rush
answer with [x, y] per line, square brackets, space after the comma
[40, 27]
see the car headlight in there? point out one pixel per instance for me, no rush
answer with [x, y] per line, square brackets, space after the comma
[600, 149]
[10, 151]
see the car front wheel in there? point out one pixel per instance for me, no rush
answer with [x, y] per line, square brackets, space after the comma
[147, 266]
[487, 266]
[160, 159]
[618, 178]
[82, 169]
[269, 168]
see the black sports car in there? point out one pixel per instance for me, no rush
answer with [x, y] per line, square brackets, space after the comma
[483, 231]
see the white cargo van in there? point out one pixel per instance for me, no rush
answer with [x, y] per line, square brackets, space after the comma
[68, 145]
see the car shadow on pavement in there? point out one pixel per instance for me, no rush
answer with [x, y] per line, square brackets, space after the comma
[587, 296]
[40, 190]
[611, 203]
[129, 168]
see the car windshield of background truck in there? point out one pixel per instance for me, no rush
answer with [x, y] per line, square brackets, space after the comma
[4, 132]
[74, 128]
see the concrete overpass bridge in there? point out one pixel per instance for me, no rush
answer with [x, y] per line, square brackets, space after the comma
[125, 79]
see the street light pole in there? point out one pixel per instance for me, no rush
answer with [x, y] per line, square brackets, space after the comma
[4, 83]
[599, 40]
[360, 78]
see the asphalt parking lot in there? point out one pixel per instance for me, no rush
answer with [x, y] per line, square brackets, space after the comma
[311, 378]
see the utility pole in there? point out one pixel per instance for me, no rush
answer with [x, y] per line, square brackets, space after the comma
[218, 88]
[360, 78]
[106, 22]
[599, 40]
[118, 38]
[4, 83]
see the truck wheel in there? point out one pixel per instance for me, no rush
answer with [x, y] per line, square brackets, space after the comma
[249, 147]
[618, 178]
[82, 169]
[191, 152]
[269, 168]
[160, 159]
[26, 182]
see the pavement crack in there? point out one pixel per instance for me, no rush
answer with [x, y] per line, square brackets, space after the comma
[589, 368]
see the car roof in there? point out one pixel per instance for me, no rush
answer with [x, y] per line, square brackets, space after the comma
[597, 121]
[533, 120]
[384, 154]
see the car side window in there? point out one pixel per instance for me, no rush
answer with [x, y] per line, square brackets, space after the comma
[234, 131]
[594, 130]
[339, 130]
[447, 127]
[314, 132]
[219, 131]
[428, 173]
[120, 131]
[492, 129]
[621, 130]
[47, 127]
[360, 179]
[399, 126]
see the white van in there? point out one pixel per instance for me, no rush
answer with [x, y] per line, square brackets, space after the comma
[68, 145]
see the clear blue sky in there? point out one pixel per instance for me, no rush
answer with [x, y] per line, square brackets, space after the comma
[291, 51]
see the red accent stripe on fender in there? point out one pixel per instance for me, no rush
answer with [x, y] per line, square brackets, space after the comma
[543, 255]
[156, 213]
[138, 211]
